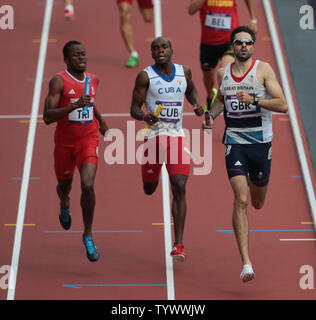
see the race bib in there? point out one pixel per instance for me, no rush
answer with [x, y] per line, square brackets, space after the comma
[236, 107]
[172, 112]
[78, 117]
[218, 21]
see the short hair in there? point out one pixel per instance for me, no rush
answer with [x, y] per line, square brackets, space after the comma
[242, 29]
[68, 45]
[159, 38]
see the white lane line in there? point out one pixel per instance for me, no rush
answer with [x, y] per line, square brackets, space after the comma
[312, 239]
[29, 150]
[165, 187]
[119, 115]
[287, 91]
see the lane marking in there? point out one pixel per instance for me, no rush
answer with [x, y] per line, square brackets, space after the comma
[123, 115]
[51, 40]
[312, 239]
[297, 177]
[292, 113]
[160, 223]
[119, 115]
[24, 225]
[29, 150]
[307, 222]
[30, 79]
[20, 178]
[94, 231]
[268, 230]
[165, 186]
[28, 121]
[79, 286]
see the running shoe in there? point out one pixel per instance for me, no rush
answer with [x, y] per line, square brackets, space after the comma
[132, 62]
[69, 15]
[65, 218]
[177, 252]
[247, 273]
[92, 251]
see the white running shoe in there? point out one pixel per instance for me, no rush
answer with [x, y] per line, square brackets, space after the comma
[247, 273]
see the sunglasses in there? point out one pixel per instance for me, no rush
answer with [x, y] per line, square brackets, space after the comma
[239, 42]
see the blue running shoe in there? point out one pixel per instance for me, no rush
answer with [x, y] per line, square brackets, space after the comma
[65, 218]
[92, 251]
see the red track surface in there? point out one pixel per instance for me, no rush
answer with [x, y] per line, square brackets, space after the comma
[50, 260]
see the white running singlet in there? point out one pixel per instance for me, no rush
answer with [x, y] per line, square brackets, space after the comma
[245, 123]
[168, 91]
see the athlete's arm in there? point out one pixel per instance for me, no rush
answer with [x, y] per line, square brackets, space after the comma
[266, 76]
[139, 97]
[51, 112]
[103, 125]
[191, 93]
[218, 106]
[251, 9]
[195, 5]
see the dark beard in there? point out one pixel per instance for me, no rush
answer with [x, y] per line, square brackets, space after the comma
[243, 58]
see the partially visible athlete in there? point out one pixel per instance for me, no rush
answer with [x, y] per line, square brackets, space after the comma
[76, 137]
[218, 19]
[146, 8]
[167, 84]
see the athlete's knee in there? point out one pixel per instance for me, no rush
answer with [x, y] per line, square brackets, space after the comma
[178, 187]
[148, 15]
[257, 203]
[241, 201]
[206, 67]
[87, 185]
[125, 15]
[148, 18]
[150, 188]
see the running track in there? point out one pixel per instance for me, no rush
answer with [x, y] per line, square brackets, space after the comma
[53, 265]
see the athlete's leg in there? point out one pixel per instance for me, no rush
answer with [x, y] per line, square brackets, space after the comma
[87, 200]
[63, 190]
[125, 25]
[179, 206]
[258, 195]
[148, 14]
[240, 222]
[150, 187]
[209, 80]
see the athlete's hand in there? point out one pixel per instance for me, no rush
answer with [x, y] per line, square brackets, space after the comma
[151, 119]
[199, 111]
[210, 126]
[103, 128]
[243, 96]
[83, 101]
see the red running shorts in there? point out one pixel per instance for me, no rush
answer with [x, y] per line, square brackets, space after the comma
[143, 4]
[66, 158]
[171, 150]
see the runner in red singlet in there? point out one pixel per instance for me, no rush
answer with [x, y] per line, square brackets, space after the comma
[76, 137]
[218, 18]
